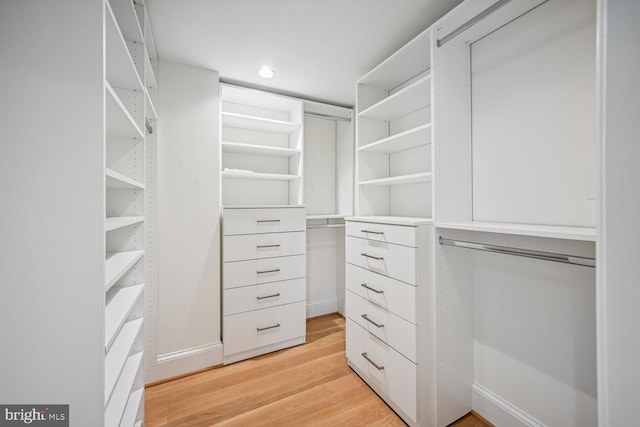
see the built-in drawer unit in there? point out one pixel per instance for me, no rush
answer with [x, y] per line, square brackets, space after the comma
[393, 295]
[389, 327]
[263, 280]
[389, 373]
[396, 261]
[390, 299]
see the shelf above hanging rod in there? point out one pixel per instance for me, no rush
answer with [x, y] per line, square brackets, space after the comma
[546, 256]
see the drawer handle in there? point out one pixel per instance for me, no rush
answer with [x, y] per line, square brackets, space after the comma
[379, 258]
[378, 367]
[277, 325]
[371, 232]
[275, 270]
[267, 246]
[376, 324]
[260, 221]
[377, 291]
[269, 296]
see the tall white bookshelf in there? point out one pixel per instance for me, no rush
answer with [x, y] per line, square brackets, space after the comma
[262, 148]
[131, 96]
[394, 170]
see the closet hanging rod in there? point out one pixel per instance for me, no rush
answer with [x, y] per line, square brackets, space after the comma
[471, 22]
[546, 256]
[325, 226]
[327, 116]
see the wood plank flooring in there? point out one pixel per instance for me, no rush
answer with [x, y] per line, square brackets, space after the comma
[307, 385]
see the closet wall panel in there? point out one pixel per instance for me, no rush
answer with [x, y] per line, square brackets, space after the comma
[189, 234]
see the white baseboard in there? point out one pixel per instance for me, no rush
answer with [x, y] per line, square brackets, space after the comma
[188, 360]
[319, 308]
[498, 411]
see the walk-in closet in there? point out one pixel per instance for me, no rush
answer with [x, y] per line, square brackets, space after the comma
[319, 213]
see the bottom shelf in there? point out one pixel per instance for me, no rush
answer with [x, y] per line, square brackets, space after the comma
[551, 231]
[121, 394]
[133, 407]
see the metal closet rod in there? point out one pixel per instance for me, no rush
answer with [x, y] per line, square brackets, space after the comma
[327, 116]
[546, 256]
[471, 22]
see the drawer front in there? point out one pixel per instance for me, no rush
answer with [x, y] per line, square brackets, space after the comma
[267, 220]
[266, 245]
[254, 329]
[247, 298]
[398, 234]
[396, 296]
[397, 378]
[395, 261]
[267, 270]
[393, 330]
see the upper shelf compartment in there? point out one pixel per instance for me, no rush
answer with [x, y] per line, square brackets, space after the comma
[411, 98]
[120, 69]
[244, 121]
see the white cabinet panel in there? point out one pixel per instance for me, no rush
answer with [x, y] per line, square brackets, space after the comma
[251, 221]
[384, 258]
[382, 232]
[252, 272]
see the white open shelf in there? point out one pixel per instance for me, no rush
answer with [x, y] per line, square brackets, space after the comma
[237, 147]
[133, 406]
[120, 396]
[125, 13]
[118, 353]
[406, 140]
[117, 264]
[414, 178]
[551, 231]
[405, 63]
[118, 309]
[260, 176]
[120, 69]
[113, 223]
[243, 121]
[117, 180]
[119, 122]
[407, 100]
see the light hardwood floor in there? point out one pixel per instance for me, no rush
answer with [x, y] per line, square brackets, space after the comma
[307, 385]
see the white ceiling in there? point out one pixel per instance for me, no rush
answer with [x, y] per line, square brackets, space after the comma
[318, 48]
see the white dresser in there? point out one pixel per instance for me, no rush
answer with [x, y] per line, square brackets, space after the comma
[390, 311]
[264, 289]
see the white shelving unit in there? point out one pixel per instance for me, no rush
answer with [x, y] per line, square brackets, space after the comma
[262, 148]
[394, 134]
[131, 88]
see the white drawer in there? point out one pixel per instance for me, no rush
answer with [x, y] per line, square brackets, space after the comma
[397, 378]
[396, 261]
[398, 234]
[394, 295]
[254, 329]
[267, 245]
[253, 272]
[247, 298]
[263, 220]
[394, 330]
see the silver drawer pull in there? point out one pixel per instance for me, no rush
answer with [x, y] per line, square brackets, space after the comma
[377, 325]
[378, 367]
[377, 291]
[277, 325]
[267, 246]
[371, 232]
[275, 270]
[379, 258]
[260, 221]
[269, 296]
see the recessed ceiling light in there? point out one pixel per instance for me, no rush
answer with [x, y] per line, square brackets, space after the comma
[266, 72]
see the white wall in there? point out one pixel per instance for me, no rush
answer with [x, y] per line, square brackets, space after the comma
[52, 215]
[188, 221]
[619, 233]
